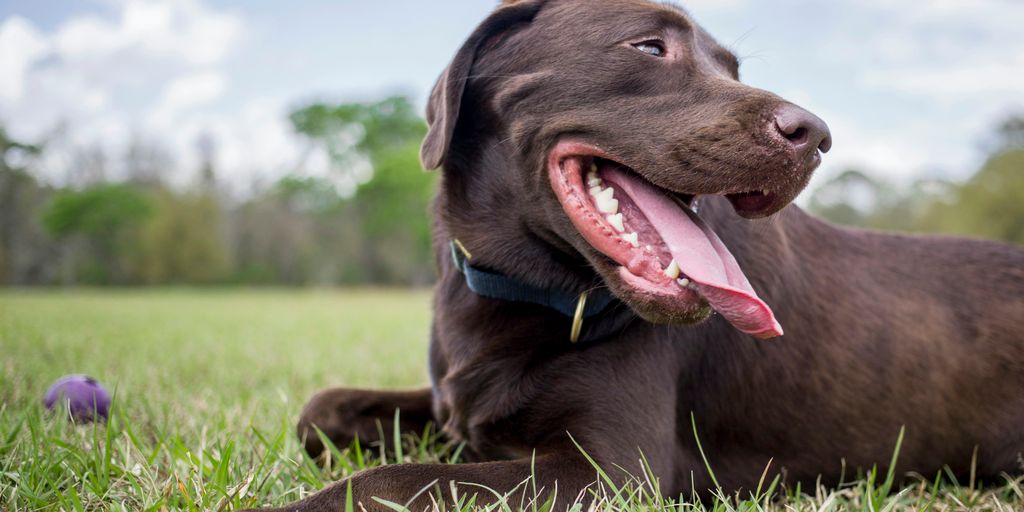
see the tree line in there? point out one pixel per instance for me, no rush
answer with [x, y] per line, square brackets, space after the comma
[989, 204]
[305, 230]
[299, 230]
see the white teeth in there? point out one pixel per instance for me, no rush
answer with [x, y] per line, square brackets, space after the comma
[686, 283]
[593, 168]
[609, 206]
[606, 203]
[633, 239]
[616, 222]
[672, 271]
[593, 180]
[605, 199]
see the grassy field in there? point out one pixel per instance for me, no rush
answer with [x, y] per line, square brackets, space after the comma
[208, 386]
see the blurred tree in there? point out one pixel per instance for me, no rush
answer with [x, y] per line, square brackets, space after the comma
[88, 165]
[339, 226]
[27, 256]
[95, 210]
[989, 205]
[373, 128]
[104, 218]
[183, 240]
[271, 243]
[857, 199]
[310, 195]
[846, 199]
[388, 218]
[394, 207]
[1010, 134]
[146, 162]
[180, 242]
[206, 146]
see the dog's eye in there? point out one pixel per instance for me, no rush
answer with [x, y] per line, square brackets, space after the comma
[652, 47]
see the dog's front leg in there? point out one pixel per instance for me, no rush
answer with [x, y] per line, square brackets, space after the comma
[343, 414]
[420, 486]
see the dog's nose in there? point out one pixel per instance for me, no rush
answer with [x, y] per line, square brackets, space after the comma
[804, 130]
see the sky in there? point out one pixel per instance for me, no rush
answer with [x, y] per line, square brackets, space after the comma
[909, 88]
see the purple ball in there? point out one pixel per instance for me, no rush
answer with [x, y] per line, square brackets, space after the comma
[83, 397]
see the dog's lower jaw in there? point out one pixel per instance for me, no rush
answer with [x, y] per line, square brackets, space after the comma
[654, 307]
[667, 253]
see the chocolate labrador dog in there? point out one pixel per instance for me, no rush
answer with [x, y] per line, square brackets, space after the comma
[605, 288]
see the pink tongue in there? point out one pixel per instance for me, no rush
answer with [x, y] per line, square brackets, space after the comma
[702, 257]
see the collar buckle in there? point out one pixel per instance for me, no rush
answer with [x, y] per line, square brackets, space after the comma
[577, 319]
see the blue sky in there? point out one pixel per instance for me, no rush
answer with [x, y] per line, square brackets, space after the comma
[909, 88]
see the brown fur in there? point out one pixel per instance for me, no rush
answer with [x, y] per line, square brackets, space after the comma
[883, 331]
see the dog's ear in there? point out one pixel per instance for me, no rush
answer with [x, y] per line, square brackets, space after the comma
[446, 98]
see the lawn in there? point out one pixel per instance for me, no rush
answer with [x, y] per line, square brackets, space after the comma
[208, 386]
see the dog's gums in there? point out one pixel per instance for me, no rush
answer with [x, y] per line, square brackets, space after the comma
[662, 247]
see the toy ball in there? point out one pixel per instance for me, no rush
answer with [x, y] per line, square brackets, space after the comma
[82, 396]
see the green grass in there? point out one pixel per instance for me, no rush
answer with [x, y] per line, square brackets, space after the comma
[209, 383]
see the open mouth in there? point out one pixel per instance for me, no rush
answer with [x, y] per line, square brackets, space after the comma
[663, 250]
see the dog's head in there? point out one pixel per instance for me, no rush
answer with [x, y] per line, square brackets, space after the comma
[611, 118]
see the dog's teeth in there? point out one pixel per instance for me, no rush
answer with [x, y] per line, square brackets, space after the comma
[672, 271]
[606, 203]
[633, 239]
[595, 190]
[609, 206]
[616, 222]
[593, 179]
[684, 282]
[649, 248]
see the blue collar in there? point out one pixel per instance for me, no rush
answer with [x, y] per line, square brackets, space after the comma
[498, 286]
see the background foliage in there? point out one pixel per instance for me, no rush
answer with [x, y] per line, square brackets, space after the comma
[140, 229]
[367, 222]
[990, 204]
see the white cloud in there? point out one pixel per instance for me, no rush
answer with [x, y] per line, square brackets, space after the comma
[162, 70]
[1004, 79]
[895, 150]
[945, 71]
[20, 46]
[186, 92]
[182, 30]
[945, 49]
[148, 72]
[257, 140]
[257, 144]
